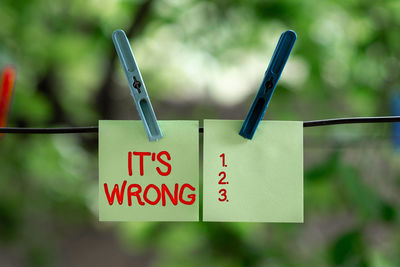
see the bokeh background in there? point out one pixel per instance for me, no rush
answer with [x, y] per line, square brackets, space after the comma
[200, 59]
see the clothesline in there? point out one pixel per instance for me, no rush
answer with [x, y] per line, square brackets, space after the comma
[95, 129]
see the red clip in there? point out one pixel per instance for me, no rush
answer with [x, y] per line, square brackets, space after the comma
[6, 92]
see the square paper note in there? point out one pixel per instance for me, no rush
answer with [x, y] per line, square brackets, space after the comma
[258, 180]
[148, 181]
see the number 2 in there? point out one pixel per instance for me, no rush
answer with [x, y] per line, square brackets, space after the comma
[223, 194]
[221, 181]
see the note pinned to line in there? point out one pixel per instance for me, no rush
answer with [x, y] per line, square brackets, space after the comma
[258, 180]
[148, 181]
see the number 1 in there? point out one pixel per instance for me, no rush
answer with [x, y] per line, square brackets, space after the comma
[223, 160]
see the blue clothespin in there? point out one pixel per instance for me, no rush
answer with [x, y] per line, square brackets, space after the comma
[136, 84]
[396, 125]
[272, 75]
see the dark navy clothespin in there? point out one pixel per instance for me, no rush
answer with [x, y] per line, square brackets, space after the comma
[272, 75]
[136, 84]
[396, 125]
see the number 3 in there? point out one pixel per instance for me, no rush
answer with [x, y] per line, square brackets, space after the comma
[223, 194]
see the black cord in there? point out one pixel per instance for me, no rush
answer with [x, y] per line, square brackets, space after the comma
[95, 129]
[351, 120]
[63, 130]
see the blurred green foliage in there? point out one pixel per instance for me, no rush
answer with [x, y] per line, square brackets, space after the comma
[200, 59]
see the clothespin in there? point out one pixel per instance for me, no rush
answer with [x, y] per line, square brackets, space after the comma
[272, 75]
[396, 125]
[6, 93]
[136, 84]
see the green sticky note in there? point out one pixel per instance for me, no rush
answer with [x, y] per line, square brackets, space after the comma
[258, 180]
[141, 180]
